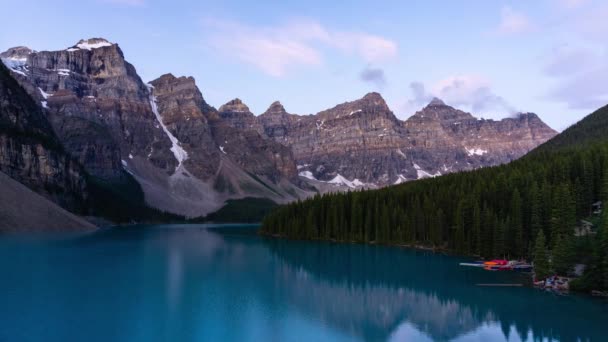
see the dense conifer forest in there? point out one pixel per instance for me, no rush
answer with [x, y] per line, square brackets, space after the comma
[534, 208]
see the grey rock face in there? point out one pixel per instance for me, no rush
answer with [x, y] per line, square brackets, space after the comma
[31, 153]
[190, 157]
[98, 106]
[164, 134]
[236, 114]
[209, 136]
[186, 114]
[362, 141]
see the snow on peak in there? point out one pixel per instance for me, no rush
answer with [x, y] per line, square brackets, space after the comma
[16, 64]
[222, 149]
[92, 43]
[307, 174]
[475, 151]
[180, 154]
[420, 173]
[400, 179]
[340, 180]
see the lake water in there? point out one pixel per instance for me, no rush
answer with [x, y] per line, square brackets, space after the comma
[196, 283]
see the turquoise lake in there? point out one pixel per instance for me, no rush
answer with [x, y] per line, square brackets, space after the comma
[225, 283]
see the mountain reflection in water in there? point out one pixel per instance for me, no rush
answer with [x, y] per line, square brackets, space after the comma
[192, 283]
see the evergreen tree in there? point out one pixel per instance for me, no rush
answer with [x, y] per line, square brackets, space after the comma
[562, 255]
[536, 223]
[499, 239]
[494, 212]
[542, 267]
[477, 238]
[516, 228]
[603, 250]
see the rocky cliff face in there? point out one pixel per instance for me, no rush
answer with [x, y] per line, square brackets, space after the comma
[30, 151]
[107, 119]
[242, 139]
[186, 157]
[186, 115]
[362, 144]
[97, 104]
[236, 114]
[222, 149]
[189, 157]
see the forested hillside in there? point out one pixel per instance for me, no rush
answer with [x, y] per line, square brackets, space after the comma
[492, 212]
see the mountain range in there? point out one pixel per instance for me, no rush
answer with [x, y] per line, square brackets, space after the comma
[79, 117]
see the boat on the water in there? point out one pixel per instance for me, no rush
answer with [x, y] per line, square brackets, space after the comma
[500, 265]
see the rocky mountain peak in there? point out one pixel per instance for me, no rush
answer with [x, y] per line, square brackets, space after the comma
[276, 108]
[189, 100]
[438, 111]
[167, 77]
[436, 102]
[16, 58]
[370, 105]
[18, 52]
[528, 116]
[372, 100]
[91, 43]
[175, 82]
[235, 106]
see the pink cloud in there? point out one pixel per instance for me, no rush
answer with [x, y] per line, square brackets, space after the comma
[276, 50]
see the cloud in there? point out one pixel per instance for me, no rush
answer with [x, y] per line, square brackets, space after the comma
[586, 90]
[373, 75]
[276, 50]
[466, 92]
[579, 68]
[567, 60]
[580, 74]
[512, 22]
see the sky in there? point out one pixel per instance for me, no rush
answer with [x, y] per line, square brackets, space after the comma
[492, 58]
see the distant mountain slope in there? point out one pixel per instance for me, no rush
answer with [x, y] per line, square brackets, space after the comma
[492, 212]
[592, 129]
[361, 144]
[24, 210]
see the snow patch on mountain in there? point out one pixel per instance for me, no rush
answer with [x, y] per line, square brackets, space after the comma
[16, 64]
[400, 179]
[180, 154]
[341, 180]
[475, 151]
[420, 173]
[307, 174]
[88, 45]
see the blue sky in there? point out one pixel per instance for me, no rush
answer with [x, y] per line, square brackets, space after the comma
[493, 58]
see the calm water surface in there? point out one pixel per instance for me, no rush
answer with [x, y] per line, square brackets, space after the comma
[200, 283]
